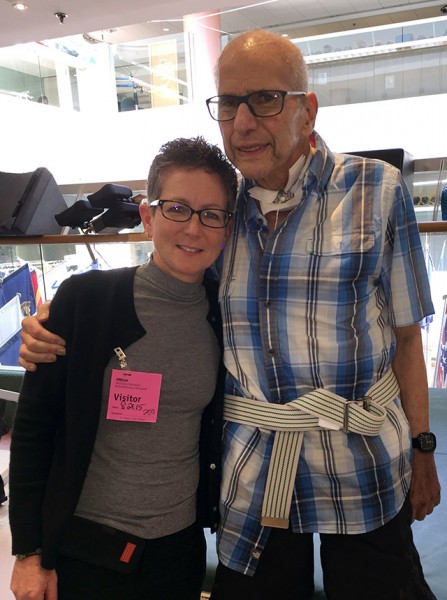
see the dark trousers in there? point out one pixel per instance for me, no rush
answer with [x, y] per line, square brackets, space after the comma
[171, 568]
[379, 565]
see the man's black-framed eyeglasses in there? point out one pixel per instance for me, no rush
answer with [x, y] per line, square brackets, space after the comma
[177, 211]
[264, 103]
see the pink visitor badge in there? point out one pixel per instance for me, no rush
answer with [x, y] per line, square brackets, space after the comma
[134, 396]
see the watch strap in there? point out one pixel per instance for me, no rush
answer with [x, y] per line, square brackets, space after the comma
[35, 552]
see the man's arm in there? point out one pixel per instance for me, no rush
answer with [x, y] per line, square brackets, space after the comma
[38, 344]
[409, 367]
[30, 582]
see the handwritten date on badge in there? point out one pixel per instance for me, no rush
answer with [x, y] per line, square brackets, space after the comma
[129, 402]
[138, 399]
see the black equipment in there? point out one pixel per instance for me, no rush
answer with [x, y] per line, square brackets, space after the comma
[78, 215]
[123, 215]
[28, 203]
[108, 210]
[109, 195]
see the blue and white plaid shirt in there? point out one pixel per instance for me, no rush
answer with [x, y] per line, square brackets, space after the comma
[314, 305]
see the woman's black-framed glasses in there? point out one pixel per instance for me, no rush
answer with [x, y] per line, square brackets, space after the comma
[264, 103]
[177, 211]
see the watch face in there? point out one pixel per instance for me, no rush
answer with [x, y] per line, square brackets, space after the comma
[426, 442]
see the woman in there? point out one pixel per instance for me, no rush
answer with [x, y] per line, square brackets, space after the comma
[114, 452]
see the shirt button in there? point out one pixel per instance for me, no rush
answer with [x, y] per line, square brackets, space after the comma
[267, 304]
[212, 466]
[272, 351]
[256, 554]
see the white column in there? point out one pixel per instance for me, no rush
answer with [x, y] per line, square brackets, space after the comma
[64, 86]
[202, 38]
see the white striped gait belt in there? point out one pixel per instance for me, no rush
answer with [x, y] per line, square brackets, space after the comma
[319, 409]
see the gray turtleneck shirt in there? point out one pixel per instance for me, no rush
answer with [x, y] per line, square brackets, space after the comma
[143, 477]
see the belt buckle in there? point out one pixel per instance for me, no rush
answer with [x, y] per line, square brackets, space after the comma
[364, 402]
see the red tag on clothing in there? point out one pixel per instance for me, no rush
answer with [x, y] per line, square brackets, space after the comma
[127, 552]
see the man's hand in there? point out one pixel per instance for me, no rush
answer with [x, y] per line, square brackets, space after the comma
[38, 344]
[30, 582]
[425, 490]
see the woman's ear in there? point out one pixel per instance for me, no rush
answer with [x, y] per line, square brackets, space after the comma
[147, 216]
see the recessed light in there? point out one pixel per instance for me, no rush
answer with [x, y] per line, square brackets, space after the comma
[20, 6]
[166, 29]
[284, 35]
[61, 16]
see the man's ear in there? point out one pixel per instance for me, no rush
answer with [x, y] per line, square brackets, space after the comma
[147, 216]
[311, 105]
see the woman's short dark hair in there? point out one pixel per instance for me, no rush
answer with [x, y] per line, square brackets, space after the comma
[191, 153]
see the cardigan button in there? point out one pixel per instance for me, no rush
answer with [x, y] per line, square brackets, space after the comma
[212, 466]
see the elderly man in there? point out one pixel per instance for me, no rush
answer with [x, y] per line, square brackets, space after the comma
[323, 288]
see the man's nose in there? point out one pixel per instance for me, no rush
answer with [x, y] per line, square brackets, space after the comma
[244, 119]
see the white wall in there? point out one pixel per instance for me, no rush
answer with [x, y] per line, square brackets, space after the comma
[78, 147]
[418, 125]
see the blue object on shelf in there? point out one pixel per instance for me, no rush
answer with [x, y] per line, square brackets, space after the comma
[444, 204]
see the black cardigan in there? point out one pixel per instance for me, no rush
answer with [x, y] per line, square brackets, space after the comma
[52, 441]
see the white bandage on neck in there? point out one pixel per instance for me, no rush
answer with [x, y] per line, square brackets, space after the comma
[290, 196]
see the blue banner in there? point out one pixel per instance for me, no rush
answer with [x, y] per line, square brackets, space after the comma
[16, 283]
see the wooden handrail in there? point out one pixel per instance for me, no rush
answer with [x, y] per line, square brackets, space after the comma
[427, 227]
[74, 239]
[433, 227]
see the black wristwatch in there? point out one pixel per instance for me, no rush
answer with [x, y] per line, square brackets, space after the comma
[425, 442]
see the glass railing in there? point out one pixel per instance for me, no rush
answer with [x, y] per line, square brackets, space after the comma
[75, 73]
[32, 269]
[375, 40]
[85, 73]
[55, 258]
[384, 63]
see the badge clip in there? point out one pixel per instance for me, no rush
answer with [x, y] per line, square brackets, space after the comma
[121, 357]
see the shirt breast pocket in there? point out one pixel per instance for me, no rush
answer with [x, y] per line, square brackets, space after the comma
[340, 244]
[343, 263]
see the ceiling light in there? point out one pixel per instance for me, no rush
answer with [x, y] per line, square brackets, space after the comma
[61, 16]
[20, 6]
[166, 29]
[284, 35]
